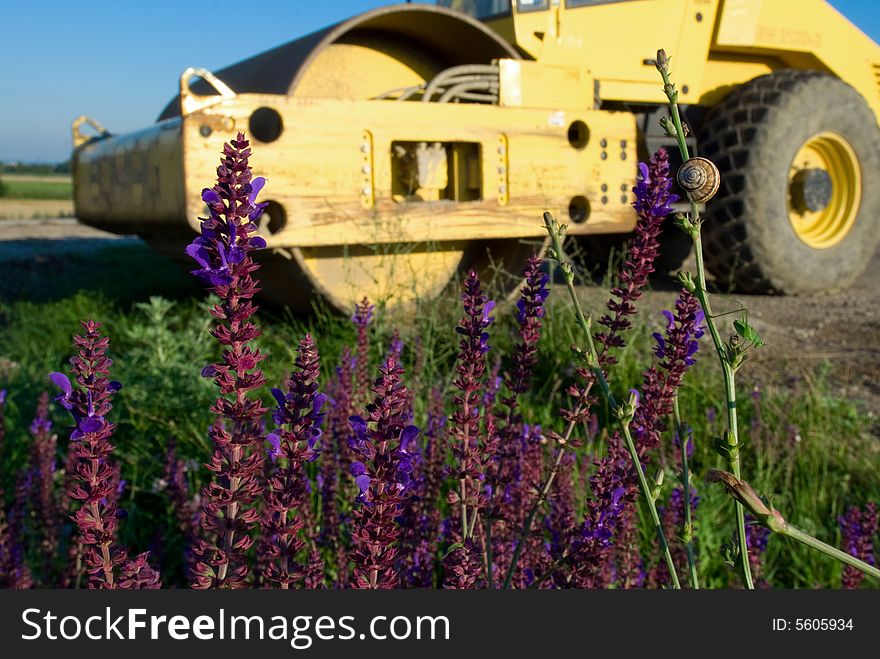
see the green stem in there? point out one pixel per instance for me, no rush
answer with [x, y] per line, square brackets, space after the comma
[490, 583]
[686, 484]
[646, 490]
[593, 359]
[814, 543]
[730, 395]
[727, 369]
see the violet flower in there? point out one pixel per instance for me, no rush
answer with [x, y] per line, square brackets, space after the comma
[14, 572]
[226, 267]
[858, 529]
[757, 536]
[299, 415]
[185, 506]
[423, 532]
[43, 467]
[95, 477]
[383, 439]
[653, 203]
[530, 312]
[314, 572]
[676, 348]
[518, 497]
[362, 317]
[463, 567]
[137, 574]
[562, 504]
[471, 454]
[336, 454]
[629, 569]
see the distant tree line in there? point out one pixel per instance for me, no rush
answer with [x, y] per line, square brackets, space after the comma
[35, 167]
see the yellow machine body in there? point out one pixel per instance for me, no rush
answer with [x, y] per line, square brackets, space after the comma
[377, 190]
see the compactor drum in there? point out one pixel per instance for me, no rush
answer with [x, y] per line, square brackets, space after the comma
[414, 141]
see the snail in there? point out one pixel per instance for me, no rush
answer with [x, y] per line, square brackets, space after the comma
[699, 178]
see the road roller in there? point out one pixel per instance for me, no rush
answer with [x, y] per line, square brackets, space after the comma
[414, 141]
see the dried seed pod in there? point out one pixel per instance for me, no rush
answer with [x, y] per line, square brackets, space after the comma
[699, 178]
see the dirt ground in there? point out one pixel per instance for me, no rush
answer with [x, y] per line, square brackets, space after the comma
[29, 208]
[801, 333]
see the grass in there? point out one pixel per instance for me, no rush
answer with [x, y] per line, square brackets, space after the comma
[32, 186]
[811, 453]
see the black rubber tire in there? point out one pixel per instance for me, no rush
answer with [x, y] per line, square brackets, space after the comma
[752, 136]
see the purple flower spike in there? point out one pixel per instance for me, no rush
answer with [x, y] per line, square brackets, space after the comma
[652, 204]
[221, 251]
[858, 528]
[94, 478]
[363, 315]
[222, 254]
[382, 476]
[299, 416]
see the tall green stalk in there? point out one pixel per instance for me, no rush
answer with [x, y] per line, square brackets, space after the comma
[688, 531]
[692, 227]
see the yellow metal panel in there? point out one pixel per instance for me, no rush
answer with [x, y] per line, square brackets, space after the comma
[809, 33]
[317, 174]
[524, 83]
[739, 22]
[131, 181]
[614, 42]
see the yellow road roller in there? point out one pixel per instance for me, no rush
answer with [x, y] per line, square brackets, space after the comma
[413, 141]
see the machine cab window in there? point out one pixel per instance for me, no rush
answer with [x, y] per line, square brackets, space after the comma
[486, 9]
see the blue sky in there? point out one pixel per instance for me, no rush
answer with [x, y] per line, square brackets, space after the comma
[119, 61]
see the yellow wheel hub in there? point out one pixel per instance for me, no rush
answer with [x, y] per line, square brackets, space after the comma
[825, 190]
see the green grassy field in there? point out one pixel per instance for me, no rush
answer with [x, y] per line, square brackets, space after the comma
[33, 186]
[160, 343]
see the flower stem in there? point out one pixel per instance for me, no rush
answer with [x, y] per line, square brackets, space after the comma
[490, 582]
[726, 367]
[790, 531]
[686, 484]
[655, 517]
[555, 230]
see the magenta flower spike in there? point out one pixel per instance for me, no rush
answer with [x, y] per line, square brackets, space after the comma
[299, 417]
[653, 204]
[384, 440]
[222, 252]
[858, 529]
[95, 480]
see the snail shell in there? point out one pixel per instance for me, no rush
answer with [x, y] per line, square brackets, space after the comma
[699, 178]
